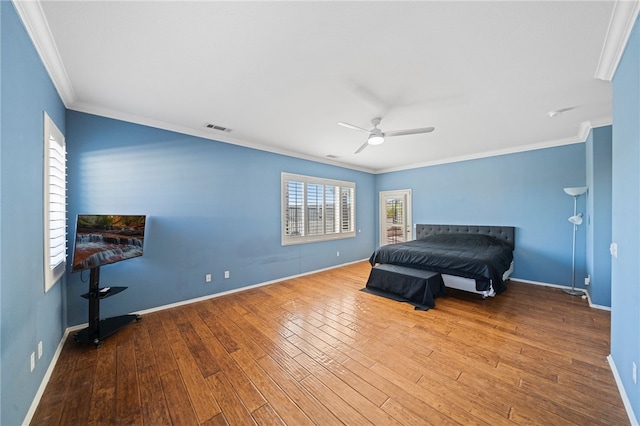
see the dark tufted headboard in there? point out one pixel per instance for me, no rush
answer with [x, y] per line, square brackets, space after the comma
[504, 233]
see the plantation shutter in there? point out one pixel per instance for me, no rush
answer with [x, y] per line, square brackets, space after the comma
[55, 203]
[294, 210]
[316, 209]
[347, 209]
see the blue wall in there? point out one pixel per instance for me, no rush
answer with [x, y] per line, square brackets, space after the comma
[598, 217]
[625, 269]
[524, 190]
[27, 314]
[211, 207]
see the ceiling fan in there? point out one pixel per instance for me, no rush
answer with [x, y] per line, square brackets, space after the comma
[376, 136]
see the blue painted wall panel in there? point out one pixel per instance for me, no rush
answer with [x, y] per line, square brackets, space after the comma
[598, 217]
[212, 207]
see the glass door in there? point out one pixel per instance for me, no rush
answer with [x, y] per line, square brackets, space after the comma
[395, 216]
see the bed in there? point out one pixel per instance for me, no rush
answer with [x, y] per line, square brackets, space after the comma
[473, 258]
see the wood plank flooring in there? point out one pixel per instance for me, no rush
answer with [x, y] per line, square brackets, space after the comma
[316, 350]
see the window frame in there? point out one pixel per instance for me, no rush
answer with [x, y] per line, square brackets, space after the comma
[54, 268]
[342, 210]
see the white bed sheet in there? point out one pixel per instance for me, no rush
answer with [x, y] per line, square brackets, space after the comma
[469, 284]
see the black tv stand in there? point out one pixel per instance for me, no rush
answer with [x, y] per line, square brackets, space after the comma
[98, 329]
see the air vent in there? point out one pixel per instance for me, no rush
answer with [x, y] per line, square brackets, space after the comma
[218, 128]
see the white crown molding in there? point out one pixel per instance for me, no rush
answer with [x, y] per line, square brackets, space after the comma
[583, 132]
[621, 23]
[207, 134]
[581, 136]
[30, 11]
[35, 23]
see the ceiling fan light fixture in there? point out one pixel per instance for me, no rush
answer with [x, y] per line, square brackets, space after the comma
[377, 136]
[375, 139]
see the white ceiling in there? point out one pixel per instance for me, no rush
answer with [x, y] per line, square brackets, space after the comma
[281, 75]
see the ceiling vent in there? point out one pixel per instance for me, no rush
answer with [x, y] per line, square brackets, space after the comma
[218, 128]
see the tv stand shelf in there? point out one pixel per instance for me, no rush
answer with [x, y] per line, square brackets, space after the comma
[106, 328]
[104, 294]
[99, 329]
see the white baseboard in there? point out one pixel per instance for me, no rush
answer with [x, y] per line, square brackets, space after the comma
[591, 304]
[623, 393]
[236, 290]
[45, 379]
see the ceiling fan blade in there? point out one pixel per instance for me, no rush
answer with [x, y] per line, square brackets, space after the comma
[351, 126]
[409, 131]
[364, 145]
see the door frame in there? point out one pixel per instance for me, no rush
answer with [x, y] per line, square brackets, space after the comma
[382, 213]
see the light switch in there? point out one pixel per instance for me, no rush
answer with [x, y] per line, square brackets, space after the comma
[613, 249]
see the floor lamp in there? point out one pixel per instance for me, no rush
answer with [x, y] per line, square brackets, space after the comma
[576, 220]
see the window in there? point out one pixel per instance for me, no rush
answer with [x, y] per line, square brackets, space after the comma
[315, 209]
[55, 203]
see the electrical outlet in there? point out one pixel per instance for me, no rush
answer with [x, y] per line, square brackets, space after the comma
[226, 274]
[33, 361]
[338, 253]
[207, 278]
[587, 280]
[40, 349]
[634, 372]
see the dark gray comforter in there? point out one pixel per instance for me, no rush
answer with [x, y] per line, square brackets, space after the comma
[478, 257]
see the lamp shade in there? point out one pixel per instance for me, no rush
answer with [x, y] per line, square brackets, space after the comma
[576, 219]
[575, 191]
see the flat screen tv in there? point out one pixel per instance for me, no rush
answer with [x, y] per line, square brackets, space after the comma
[104, 239]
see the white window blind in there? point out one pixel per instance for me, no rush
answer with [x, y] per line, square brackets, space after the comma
[347, 205]
[316, 209]
[294, 209]
[55, 203]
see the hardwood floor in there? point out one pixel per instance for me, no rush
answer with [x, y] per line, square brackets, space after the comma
[316, 350]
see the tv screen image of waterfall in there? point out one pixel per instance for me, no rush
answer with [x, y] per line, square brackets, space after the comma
[104, 239]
